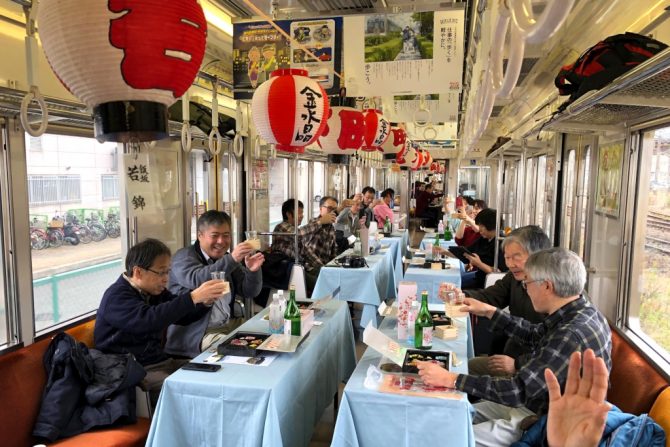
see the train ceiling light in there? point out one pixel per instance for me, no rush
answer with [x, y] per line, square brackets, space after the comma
[126, 60]
[290, 110]
[344, 132]
[377, 130]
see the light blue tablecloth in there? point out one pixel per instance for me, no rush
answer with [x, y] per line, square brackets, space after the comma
[431, 238]
[366, 285]
[368, 418]
[244, 405]
[428, 279]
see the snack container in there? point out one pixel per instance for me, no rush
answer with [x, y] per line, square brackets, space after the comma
[243, 344]
[413, 355]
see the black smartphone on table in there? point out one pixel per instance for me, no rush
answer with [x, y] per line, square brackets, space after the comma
[206, 367]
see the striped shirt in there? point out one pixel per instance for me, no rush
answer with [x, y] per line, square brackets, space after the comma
[576, 326]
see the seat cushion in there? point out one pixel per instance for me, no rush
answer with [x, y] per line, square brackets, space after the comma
[660, 413]
[629, 367]
[125, 436]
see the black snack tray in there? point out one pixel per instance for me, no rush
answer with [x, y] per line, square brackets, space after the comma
[440, 319]
[441, 357]
[242, 344]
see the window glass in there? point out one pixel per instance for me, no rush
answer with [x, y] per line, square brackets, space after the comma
[473, 182]
[74, 225]
[650, 288]
[279, 189]
[568, 197]
[584, 195]
[199, 188]
[302, 183]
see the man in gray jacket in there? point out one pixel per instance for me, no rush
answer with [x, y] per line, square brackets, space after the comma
[508, 292]
[193, 265]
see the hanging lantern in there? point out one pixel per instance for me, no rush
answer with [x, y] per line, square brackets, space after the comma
[394, 143]
[377, 130]
[343, 134]
[428, 159]
[290, 110]
[127, 61]
[418, 161]
[408, 158]
[435, 167]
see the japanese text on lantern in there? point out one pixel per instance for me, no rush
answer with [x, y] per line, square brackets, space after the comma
[309, 117]
[176, 45]
[352, 132]
[383, 132]
[138, 173]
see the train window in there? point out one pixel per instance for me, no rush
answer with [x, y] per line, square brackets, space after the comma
[199, 188]
[74, 225]
[303, 189]
[474, 181]
[279, 190]
[529, 188]
[583, 201]
[649, 307]
[318, 184]
[540, 192]
[568, 199]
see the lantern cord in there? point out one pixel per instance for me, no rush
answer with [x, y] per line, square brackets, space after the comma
[286, 35]
[238, 145]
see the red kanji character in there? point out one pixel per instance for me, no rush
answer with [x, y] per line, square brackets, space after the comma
[163, 42]
[352, 130]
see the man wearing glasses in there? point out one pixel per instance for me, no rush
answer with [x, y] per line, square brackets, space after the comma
[318, 238]
[193, 265]
[554, 280]
[137, 308]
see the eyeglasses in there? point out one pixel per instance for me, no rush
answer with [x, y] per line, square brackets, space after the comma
[165, 273]
[525, 283]
[329, 208]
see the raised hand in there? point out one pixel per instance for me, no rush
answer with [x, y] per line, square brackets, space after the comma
[241, 251]
[577, 418]
[254, 262]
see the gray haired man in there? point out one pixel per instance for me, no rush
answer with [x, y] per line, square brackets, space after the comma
[555, 280]
[508, 292]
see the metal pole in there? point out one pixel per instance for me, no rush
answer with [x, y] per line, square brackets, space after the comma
[499, 188]
[295, 210]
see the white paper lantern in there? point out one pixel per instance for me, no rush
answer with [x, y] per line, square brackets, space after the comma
[344, 131]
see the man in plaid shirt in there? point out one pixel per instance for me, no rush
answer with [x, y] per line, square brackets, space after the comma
[554, 280]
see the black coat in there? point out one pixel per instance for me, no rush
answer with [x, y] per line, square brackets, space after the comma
[85, 389]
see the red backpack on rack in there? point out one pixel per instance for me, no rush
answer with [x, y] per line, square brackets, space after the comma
[604, 62]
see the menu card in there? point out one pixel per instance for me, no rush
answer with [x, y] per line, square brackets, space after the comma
[383, 344]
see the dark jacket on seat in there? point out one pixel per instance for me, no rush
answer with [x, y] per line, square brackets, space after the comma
[85, 389]
[190, 269]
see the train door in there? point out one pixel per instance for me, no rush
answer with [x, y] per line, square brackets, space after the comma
[607, 213]
[648, 312]
[7, 320]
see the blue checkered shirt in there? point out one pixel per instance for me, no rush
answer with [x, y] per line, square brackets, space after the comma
[576, 326]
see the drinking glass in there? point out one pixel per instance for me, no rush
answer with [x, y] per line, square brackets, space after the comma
[252, 238]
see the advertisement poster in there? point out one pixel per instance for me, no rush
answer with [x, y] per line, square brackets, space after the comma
[259, 49]
[608, 185]
[401, 54]
[438, 108]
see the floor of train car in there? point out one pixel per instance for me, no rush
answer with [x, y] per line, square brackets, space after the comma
[323, 432]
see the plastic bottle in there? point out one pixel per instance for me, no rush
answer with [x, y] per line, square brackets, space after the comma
[276, 316]
[440, 227]
[411, 319]
[282, 300]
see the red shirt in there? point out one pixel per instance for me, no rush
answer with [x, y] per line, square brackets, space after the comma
[470, 236]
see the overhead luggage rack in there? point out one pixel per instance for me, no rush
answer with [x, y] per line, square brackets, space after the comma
[641, 94]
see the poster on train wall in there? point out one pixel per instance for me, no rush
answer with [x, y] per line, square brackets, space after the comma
[259, 49]
[402, 54]
[151, 182]
[435, 108]
[608, 184]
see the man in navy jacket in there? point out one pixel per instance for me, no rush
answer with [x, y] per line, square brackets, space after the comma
[137, 308]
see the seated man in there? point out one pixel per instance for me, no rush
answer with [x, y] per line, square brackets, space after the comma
[286, 244]
[483, 251]
[509, 292]
[194, 265]
[347, 224]
[368, 196]
[383, 210]
[318, 236]
[555, 279]
[137, 308]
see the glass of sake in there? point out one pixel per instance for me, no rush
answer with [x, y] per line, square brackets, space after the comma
[252, 239]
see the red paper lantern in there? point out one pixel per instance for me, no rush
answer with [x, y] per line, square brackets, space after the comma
[418, 161]
[290, 110]
[428, 159]
[394, 143]
[344, 131]
[377, 130]
[127, 60]
[434, 167]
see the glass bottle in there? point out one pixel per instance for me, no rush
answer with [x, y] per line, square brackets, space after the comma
[276, 316]
[447, 233]
[387, 225]
[292, 315]
[423, 326]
